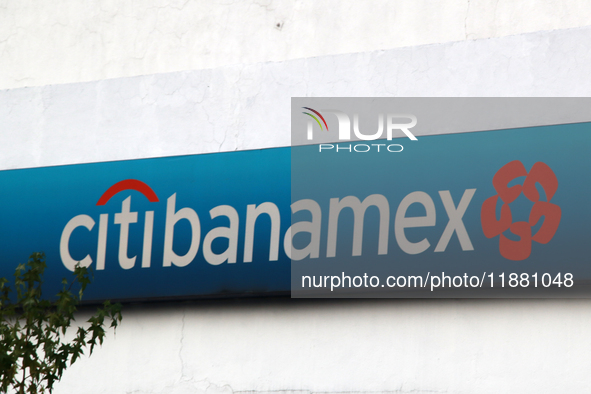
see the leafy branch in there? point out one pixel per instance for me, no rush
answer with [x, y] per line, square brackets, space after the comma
[34, 352]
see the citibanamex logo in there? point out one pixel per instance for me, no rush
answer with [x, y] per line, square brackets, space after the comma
[539, 173]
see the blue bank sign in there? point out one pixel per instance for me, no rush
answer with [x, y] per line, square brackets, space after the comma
[500, 213]
[156, 228]
[481, 205]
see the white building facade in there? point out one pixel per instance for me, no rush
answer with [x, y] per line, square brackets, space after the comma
[97, 82]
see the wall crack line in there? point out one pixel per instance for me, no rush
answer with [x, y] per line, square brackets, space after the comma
[183, 377]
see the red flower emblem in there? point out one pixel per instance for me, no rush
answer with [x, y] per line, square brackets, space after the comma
[539, 173]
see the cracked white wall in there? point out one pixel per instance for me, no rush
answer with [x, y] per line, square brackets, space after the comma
[336, 346]
[246, 106]
[64, 41]
[284, 346]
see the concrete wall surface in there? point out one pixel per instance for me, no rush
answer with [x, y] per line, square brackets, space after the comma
[235, 101]
[64, 41]
[247, 106]
[343, 346]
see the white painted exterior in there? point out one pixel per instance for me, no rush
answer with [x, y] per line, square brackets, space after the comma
[63, 41]
[245, 70]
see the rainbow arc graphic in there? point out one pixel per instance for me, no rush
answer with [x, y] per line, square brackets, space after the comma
[316, 119]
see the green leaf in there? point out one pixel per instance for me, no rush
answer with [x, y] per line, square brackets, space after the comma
[30, 323]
